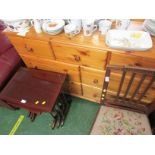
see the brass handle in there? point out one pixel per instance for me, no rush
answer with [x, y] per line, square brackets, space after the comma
[29, 49]
[95, 81]
[77, 58]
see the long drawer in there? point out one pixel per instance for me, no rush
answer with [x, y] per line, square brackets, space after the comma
[128, 59]
[91, 93]
[31, 47]
[93, 77]
[51, 65]
[88, 57]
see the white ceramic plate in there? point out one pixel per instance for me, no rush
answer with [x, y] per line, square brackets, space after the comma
[129, 40]
[52, 26]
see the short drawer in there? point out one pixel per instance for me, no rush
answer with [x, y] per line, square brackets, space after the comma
[31, 47]
[88, 57]
[19, 44]
[73, 88]
[91, 93]
[51, 65]
[92, 76]
[128, 59]
[39, 48]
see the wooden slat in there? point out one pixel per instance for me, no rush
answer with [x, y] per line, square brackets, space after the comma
[129, 103]
[138, 87]
[129, 86]
[121, 84]
[146, 89]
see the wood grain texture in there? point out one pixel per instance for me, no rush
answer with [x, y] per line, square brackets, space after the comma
[31, 47]
[51, 65]
[91, 76]
[80, 55]
[39, 48]
[129, 59]
[73, 88]
[96, 41]
[92, 93]
[83, 58]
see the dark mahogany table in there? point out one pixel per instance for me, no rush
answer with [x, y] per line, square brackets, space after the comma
[38, 91]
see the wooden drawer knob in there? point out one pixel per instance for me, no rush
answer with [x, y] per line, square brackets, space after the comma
[138, 64]
[95, 95]
[29, 49]
[95, 81]
[77, 58]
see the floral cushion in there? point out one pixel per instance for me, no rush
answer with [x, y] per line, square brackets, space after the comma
[114, 121]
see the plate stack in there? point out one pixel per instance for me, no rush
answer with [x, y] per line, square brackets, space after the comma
[149, 26]
[17, 25]
[53, 27]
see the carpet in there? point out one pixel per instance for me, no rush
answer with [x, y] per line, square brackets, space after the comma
[115, 121]
[79, 121]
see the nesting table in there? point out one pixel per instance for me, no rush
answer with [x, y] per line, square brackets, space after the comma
[38, 91]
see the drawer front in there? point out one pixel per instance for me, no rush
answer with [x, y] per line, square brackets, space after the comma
[40, 49]
[115, 79]
[18, 43]
[79, 55]
[31, 47]
[91, 93]
[92, 76]
[51, 65]
[73, 88]
[127, 59]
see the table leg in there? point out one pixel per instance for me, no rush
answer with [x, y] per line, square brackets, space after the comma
[60, 110]
[32, 116]
[65, 101]
[56, 116]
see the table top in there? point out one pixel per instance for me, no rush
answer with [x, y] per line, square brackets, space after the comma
[35, 90]
[96, 41]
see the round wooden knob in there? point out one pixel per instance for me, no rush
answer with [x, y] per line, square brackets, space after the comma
[137, 64]
[95, 81]
[77, 58]
[95, 95]
[29, 49]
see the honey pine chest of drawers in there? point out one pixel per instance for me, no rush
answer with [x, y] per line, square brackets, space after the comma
[83, 58]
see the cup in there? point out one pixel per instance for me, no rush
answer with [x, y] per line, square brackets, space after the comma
[71, 30]
[122, 24]
[76, 22]
[104, 26]
[88, 27]
[37, 25]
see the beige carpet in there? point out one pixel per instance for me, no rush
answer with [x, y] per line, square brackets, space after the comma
[115, 121]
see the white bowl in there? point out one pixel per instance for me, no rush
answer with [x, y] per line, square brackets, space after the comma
[53, 26]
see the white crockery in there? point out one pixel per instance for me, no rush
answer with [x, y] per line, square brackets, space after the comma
[88, 27]
[104, 26]
[76, 22]
[37, 25]
[53, 27]
[131, 40]
[122, 24]
[16, 25]
[71, 30]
